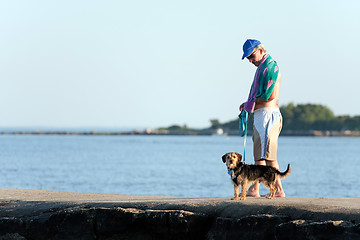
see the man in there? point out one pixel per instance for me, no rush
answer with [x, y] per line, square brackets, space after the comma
[263, 102]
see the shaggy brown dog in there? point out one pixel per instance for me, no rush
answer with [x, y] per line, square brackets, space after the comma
[244, 175]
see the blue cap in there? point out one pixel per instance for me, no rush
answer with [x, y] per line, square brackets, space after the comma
[249, 46]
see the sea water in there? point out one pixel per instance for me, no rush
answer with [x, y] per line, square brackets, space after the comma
[188, 166]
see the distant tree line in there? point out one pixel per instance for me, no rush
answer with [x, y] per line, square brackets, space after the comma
[316, 117]
[304, 117]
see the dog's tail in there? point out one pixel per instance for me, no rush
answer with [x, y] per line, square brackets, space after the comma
[286, 173]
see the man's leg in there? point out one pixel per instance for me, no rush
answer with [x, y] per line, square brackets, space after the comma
[278, 185]
[254, 189]
[272, 154]
[265, 138]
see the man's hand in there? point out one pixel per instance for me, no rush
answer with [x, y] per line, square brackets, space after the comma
[241, 107]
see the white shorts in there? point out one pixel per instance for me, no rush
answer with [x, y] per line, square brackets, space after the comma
[267, 127]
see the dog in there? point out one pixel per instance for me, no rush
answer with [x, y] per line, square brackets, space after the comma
[243, 175]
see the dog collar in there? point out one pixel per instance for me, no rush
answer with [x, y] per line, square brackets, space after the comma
[231, 173]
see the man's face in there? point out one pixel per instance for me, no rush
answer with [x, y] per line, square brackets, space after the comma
[256, 57]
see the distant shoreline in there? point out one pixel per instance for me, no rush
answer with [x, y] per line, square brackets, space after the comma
[207, 132]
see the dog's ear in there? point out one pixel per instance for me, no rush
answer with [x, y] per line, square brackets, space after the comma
[224, 158]
[239, 156]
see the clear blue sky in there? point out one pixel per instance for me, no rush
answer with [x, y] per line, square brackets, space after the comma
[156, 63]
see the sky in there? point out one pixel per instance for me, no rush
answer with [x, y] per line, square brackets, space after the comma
[150, 64]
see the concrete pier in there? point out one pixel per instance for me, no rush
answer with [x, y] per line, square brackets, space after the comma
[40, 214]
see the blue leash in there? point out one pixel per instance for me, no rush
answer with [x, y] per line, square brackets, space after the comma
[243, 118]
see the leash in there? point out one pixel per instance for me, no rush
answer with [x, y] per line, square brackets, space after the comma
[243, 118]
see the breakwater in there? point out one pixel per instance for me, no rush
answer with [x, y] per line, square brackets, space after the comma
[35, 214]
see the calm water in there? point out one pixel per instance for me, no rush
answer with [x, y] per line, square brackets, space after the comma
[188, 166]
